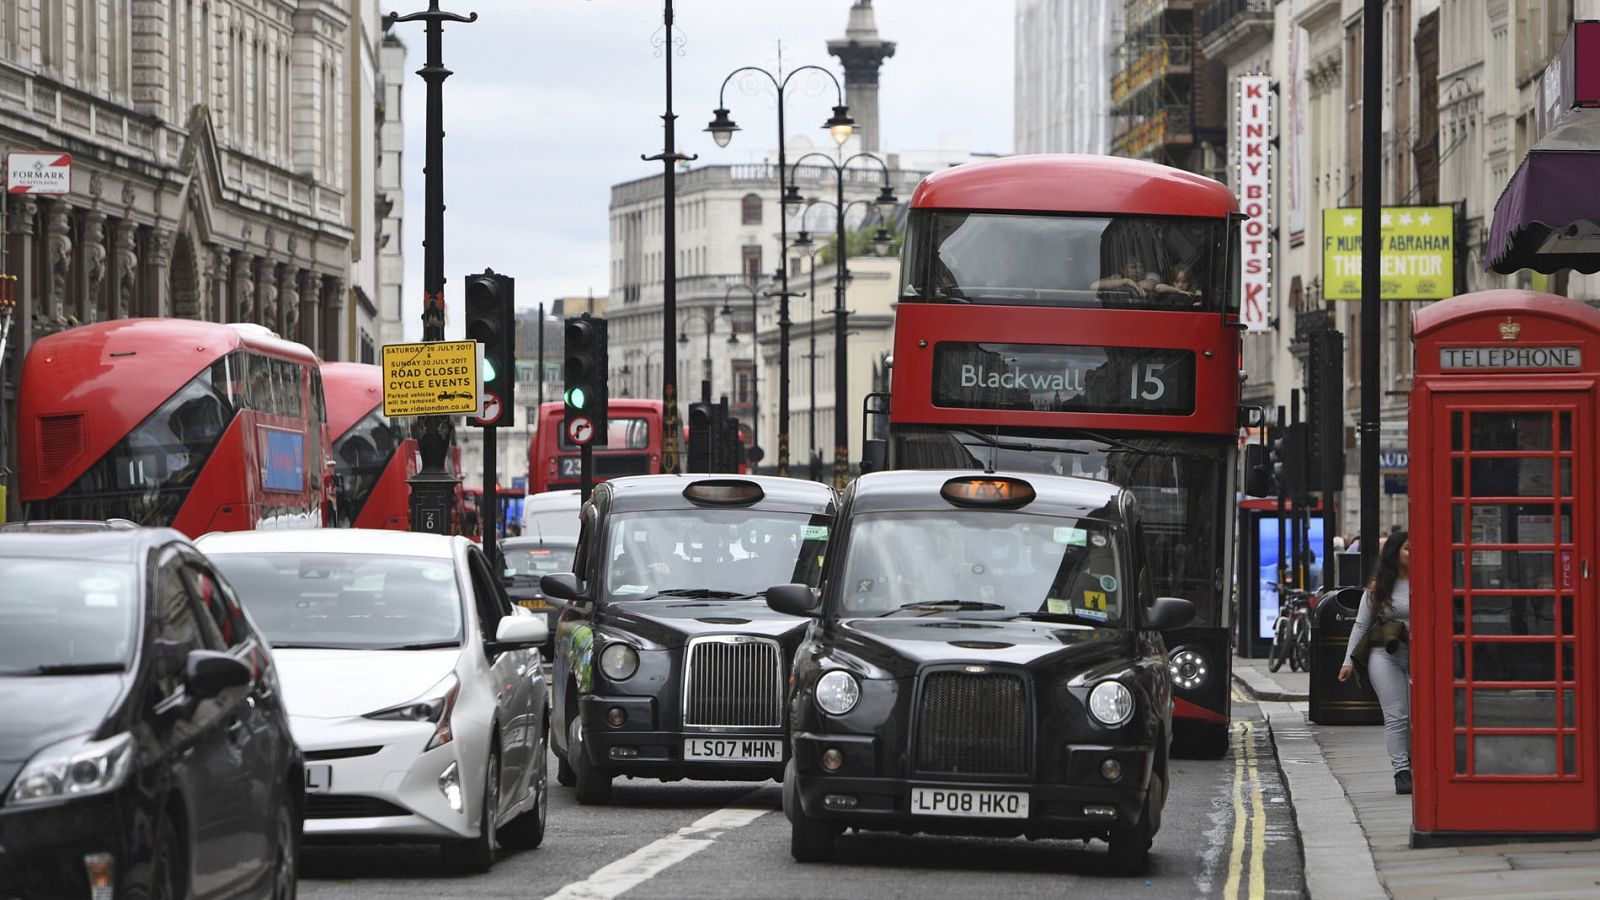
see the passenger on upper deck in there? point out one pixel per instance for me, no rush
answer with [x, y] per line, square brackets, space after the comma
[1183, 288]
[1134, 279]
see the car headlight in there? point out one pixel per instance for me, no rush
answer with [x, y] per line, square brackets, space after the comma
[435, 706]
[1190, 669]
[74, 768]
[838, 692]
[1111, 703]
[619, 662]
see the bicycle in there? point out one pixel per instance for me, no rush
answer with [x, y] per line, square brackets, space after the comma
[1291, 633]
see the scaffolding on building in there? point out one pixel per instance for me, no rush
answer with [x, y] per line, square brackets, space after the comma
[1153, 88]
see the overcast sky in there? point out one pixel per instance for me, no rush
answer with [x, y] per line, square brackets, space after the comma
[554, 101]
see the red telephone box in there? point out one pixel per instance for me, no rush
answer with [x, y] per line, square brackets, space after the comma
[1503, 435]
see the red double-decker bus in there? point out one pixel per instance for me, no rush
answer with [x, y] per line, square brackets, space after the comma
[194, 425]
[372, 454]
[1077, 315]
[633, 446]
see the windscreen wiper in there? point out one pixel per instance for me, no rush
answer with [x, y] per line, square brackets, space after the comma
[424, 645]
[1066, 618]
[956, 605]
[1022, 446]
[96, 668]
[1135, 448]
[701, 594]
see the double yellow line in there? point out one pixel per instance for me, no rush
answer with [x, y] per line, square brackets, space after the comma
[1251, 827]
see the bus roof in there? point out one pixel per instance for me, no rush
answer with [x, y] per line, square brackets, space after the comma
[1074, 183]
[615, 405]
[352, 390]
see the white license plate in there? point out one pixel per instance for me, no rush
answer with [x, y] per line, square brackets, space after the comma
[930, 801]
[319, 779]
[733, 749]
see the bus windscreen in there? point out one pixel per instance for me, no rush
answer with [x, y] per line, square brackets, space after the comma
[1121, 262]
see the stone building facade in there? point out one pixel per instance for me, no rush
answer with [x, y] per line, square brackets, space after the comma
[215, 165]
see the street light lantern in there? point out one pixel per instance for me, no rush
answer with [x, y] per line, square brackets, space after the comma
[882, 242]
[726, 310]
[683, 337]
[721, 127]
[733, 339]
[803, 239]
[791, 196]
[840, 125]
[886, 196]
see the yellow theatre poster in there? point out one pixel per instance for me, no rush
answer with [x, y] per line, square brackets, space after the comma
[1419, 253]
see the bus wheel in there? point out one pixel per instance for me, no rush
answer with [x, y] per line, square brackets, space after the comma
[1200, 740]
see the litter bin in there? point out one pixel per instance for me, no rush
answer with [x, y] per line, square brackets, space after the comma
[1334, 702]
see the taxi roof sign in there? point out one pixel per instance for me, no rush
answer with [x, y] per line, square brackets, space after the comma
[988, 490]
[433, 378]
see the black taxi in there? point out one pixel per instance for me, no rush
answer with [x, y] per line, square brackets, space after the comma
[667, 662]
[987, 660]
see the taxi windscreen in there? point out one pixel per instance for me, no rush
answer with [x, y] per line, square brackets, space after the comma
[983, 564]
[725, 551]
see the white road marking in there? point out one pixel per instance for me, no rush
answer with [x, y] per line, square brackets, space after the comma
[652, 859]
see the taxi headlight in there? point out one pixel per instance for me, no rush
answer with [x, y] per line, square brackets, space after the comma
[1190, 669]
[619, 662]
[1111, 703]
[838, 692]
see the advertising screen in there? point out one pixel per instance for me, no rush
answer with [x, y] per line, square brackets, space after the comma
[282, 460]
[1267, 555]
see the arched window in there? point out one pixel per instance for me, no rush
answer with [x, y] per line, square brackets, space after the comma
[750, 209]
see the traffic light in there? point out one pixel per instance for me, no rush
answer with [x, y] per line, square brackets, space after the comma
[492, 322]
[702, 422]
[1288, 459]
[587, 395]
[1325, 411]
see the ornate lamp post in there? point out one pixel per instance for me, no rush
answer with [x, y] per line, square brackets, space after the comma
[839, 125]
[755, 363]
[710, 320]
[841, 368]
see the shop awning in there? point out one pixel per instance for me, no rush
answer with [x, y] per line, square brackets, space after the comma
[1548, 217]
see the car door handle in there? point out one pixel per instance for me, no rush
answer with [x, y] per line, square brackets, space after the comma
[236, 732]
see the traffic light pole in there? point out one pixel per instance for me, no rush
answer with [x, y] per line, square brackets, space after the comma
[433, 488]
[585, 472]
[489, 515]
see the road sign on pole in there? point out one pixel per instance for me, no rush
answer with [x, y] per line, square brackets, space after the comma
[489, 409]
[430, 378]
[580, 430]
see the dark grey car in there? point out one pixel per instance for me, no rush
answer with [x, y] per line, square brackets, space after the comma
[527, 559]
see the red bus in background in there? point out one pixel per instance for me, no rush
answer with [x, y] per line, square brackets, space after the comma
[372, 455]
[634, 447]
[1078, 315]
[194, 425]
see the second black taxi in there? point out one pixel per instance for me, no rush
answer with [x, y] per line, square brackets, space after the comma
[988, 661]
[667, 662]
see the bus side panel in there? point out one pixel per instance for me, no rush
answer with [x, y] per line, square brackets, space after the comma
[220, 497]
[389, 504]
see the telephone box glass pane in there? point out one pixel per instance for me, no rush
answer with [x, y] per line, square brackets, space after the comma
[1455, 524]
[1514, 477]
[1458, 615]
[1568, 709]
[1515, 523]
[1515, 708]
[1494, 661]
[1461, 754]
[1511, 431]
[1510, 569]
[1456, 488]
[1569, 750]
[1513, 615]
[1566, 478]
[1455, 431]
[1566, 431]
[1461, 707]
[1514, 754]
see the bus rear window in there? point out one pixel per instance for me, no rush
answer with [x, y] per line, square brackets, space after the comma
[621, 434]
[1122, 262]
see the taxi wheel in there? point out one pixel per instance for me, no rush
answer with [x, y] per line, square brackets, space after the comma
[526, 831]
[166, 869]
[809, 839]
[1200, 740]
[1129, 853]
[476, 855]
[593, 788]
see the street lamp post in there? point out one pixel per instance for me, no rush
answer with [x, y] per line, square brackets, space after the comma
[804, 243]
[755, 369]
[433, 487]
[841, 367]
[710, 320]
[839, 125]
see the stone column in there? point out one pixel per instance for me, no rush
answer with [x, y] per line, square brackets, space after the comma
[289, 299]
[332, 311]
[267, 292]
[24, 213]
[310, 308]
[158, 274]
[124, 268]
[221, 283]
[244, 288]
[94, 266]
[58, 262]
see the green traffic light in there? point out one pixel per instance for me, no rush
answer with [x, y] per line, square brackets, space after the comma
[576, 398]
[488, 369]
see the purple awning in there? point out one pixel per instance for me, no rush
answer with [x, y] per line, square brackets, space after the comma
[1548, 217]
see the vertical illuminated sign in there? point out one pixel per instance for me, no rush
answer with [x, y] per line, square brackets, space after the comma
[1254, 100]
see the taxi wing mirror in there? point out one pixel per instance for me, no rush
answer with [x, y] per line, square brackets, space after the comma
[1168, 613]
[794, 600]
[1257, 471]
[563, 586]
[874, 455]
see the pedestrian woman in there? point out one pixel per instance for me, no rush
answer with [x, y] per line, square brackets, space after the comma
[1382, 628]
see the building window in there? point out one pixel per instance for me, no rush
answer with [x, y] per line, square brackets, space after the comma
[751, 254]
[743, 380]
[750, 209]
[369, 350]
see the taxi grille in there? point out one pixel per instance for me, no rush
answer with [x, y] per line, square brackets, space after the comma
[733, 682]
[971, 724]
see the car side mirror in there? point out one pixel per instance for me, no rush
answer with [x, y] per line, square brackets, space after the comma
[508, 577]
[874, 455]
[207, 673]
[1257, 471]
[519, 633]
[563, 586]
[794, 600]
[1168, 613]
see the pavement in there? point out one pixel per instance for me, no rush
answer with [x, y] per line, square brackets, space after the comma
[1356, 831]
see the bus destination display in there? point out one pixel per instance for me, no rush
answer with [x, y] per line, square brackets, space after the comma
[1061, 378]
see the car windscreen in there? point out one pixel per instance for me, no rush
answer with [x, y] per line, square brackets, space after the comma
[711, 551]
[529, 564]
[347, 601]
[66, 616]
[983, 564]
